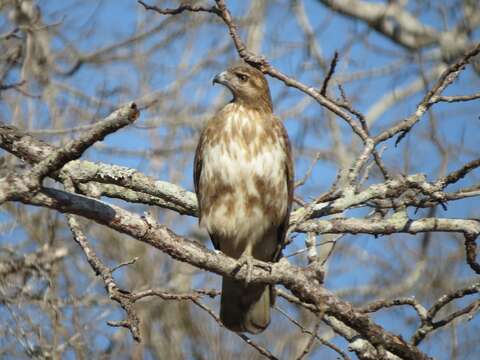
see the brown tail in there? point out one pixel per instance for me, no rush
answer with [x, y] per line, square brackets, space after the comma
[245, 308]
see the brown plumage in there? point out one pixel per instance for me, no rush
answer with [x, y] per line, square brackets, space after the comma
[243, 175]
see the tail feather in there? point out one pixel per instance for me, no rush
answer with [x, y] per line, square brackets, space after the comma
[245, 308]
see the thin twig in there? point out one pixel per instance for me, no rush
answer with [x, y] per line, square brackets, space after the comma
[313, 335]
[331, 71]
[244, 337]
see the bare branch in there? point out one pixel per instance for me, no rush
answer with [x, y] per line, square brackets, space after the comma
[381, 304]
[122, 297]
[14, 186]
[180, 9]
[459, 98]
[244, 337]
[331, 70]
[390, 226]
[303, 282]
[447, 77]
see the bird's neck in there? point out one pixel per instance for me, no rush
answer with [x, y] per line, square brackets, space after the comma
[262, 104]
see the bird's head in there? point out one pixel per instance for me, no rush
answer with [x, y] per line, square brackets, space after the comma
[248, 86]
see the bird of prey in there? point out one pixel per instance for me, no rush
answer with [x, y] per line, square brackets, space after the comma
[243, 176]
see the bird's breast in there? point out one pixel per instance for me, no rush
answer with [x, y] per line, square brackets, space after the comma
[243, 180]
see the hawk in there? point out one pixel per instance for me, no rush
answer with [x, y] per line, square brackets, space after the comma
[243, 176]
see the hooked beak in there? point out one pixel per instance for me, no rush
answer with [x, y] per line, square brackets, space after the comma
[220, 78]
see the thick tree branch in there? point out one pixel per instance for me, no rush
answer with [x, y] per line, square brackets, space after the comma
[131, 185]
[16, 186]
[109, 178]
[302, 282]
[392, 225]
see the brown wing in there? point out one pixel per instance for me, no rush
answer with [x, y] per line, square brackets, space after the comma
[197, 171]
[197, 166]
[290, 178]
[208, 132]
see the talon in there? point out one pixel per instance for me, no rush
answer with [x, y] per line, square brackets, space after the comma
[267, 267]
[245, 260]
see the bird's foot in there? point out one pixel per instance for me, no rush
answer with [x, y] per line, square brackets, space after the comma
[245, 260]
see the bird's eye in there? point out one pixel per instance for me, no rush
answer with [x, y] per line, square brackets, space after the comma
[242, 77]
